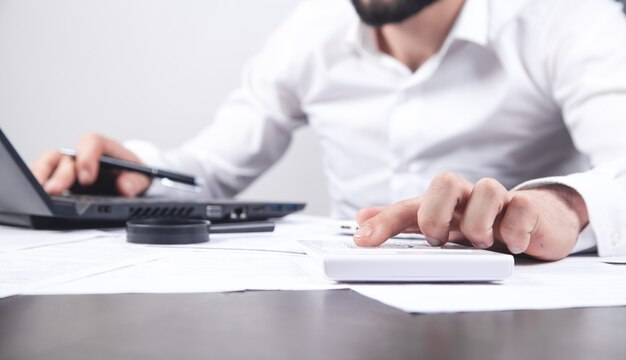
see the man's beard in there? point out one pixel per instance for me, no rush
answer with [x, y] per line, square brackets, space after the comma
[383, 12]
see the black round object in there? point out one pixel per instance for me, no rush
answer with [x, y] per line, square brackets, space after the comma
[167, 231]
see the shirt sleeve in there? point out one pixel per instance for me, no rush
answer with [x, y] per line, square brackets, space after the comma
[586, 66]
[251, 130]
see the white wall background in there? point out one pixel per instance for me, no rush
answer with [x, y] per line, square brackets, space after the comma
[152, 69]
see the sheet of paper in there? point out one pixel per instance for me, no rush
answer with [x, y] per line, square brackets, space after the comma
[616, 260]
[12, 239]
[194, 270]
[229, 262]
[282, 240]
[31, 268]
[572, 282]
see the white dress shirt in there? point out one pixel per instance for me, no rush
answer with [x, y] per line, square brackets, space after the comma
[528, 92]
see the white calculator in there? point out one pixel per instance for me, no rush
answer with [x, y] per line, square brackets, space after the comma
[404, 260]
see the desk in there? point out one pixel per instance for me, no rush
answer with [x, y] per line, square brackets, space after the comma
[338, 324]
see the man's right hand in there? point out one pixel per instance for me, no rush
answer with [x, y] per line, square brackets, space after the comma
[57, 172]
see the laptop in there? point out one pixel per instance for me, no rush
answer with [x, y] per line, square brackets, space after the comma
[23, 202]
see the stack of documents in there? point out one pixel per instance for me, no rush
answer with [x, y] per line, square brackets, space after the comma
[97, 262]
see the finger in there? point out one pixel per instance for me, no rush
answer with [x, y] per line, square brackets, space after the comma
[446, 193]
[62, 178]
[45, 165]
[486, 202]
[90, 149]
[519, 223]
[366, 213]
[456, 237]
[389, 222]
[132, 184]
[88, 153]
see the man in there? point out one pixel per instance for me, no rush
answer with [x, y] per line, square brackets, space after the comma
[458, 100]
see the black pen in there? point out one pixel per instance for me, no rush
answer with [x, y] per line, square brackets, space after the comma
[151, 172]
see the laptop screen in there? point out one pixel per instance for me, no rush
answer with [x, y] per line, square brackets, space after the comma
[19, 190]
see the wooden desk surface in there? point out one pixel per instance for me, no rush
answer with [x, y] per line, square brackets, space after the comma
[292, 325]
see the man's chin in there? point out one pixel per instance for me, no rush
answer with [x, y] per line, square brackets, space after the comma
[383, 12]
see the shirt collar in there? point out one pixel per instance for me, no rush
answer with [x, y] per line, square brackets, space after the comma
[359, 36]
[471, 25]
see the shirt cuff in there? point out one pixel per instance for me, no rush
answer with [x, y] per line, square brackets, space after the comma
[586, 242]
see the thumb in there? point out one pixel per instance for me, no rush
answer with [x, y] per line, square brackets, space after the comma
[387, 223]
